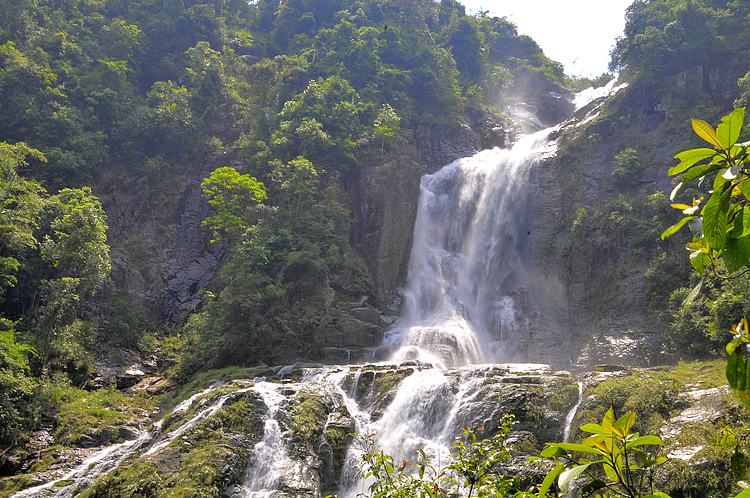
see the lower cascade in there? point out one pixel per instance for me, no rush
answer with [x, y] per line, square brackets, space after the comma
[460, 354]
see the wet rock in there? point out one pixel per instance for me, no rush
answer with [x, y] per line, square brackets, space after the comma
[344, 331]
[154, 386]
[124, 370]
[168, 461]
[382, 353]
[704, 405]
[388, 194]
[367, 315]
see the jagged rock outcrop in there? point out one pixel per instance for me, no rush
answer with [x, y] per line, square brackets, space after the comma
[160, 251]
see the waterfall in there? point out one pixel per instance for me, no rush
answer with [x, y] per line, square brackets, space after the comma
[572, 415]
[262, 479]
[473, 294]
[469, 288]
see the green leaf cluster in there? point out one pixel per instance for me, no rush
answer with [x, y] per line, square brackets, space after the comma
[232, 196]
[478, 468]
[719, 227]
[624, 457]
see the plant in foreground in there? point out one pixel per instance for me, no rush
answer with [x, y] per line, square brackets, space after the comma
[477, 469]
[621, 454]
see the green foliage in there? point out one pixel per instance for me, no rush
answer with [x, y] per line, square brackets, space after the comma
[76, 246]
[78, 413]
[737, 365]
[477, 468]
[386, 124]
[663, 38]
[719, 229]
[627, 170]
[16, 389]
[129, 321]
[621, 454]
[233, 196]
[21, 201]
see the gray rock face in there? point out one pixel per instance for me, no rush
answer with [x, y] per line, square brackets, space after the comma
[124, 371]
[349, 336]
[161, 253]
[386, 208]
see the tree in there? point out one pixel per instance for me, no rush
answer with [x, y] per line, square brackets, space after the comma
[233, 197]
[20, 203]
[77, 245]
[386, 124]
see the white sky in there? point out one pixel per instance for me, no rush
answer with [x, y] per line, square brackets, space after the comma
[577, 33]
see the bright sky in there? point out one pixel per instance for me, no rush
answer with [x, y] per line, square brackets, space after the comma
[577, 33]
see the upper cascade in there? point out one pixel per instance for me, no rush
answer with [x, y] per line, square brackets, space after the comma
[473, 293]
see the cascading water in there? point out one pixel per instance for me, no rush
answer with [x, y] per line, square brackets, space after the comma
[262, 479]
[466, 301]
[471, 292]
[572, 414]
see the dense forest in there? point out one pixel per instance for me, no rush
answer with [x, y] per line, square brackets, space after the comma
[300, 94]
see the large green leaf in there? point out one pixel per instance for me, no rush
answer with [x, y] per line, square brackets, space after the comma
[737, 253]
[610, 471]
[699, 171]
[649, 439]
[676, 227]
[658, 494]
[706, 132]
[549, 479]
[594, 428]
[689, 158]
[736, 375]
[624, 423]
[744, 186]
[700, 260]
[577, 447]
[553, 451]
[715, 218]
[729, 130]
[571, 474]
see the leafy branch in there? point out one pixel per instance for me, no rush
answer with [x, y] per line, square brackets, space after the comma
[621, 454]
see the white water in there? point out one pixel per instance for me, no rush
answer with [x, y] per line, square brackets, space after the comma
[262, 479]
[472, 293]
[471, 298]
[572, 415]
[467, 286]
[585, 97]
[464, 303]
[93, 466]
[207, 412]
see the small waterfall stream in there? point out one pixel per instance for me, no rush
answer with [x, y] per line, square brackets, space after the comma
[572, 414]
[262, 479]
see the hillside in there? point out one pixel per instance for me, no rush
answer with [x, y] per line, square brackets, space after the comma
[194, 186]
